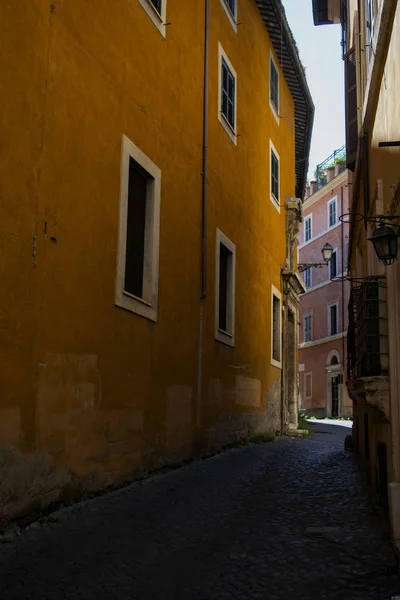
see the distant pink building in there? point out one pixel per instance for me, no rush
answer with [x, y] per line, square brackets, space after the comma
[323, 308]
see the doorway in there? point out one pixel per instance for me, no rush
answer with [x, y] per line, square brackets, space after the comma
[335, 397]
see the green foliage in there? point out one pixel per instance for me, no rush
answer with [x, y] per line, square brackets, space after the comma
[303, 424]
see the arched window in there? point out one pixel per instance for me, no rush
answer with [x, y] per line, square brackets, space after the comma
[334, 360]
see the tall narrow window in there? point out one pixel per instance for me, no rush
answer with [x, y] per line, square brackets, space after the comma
[308, 228]
[232, 6]
[370, 27]
[139, 223]
[273, 85]
[274, 164]
[228, 94]
[308, 385]
[276, 331]
[225, 290]
[308, 327]
[157, 12]
[333, 265]
[333, 319]
[308, 277]
[332, 212]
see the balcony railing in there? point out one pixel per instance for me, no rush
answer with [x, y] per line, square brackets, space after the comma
[366, 343]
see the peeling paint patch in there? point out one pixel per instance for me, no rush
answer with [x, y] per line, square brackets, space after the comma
[248, 392]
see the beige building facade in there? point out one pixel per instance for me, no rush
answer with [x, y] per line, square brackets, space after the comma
[371, 37]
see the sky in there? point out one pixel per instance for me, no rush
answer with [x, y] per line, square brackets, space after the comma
[321, 54]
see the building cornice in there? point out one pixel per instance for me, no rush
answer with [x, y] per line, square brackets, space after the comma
[274, 17]
[326, 189]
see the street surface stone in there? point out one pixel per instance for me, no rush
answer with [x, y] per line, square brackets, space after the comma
[281, 520]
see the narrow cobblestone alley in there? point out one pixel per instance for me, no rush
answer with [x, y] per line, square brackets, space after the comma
[288, 519]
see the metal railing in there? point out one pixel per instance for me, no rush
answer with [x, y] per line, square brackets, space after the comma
[364, 331]
[320, 172]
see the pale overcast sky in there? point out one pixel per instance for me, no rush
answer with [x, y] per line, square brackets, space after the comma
[321, 54]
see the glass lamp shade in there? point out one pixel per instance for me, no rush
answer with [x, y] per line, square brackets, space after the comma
[384, 241]
[327, 252]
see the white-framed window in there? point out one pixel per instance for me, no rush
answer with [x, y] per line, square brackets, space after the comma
[276, 327]
[227, 94]
[308, 228]
[370, 26]
[308, 386]
[274, 87]
[157, 11]
[139, 232]
[230, 7]
[274, 170]
[332, 212]
[225, 274]
[333, 318]
[308, 277]
[333, 265]
[307, 323]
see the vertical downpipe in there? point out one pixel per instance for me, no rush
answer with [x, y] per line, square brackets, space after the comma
[203, 222]
[343, 356]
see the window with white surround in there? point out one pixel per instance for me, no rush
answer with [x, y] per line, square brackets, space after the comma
[227, 94]
[307, 321]
[274, 175]
[308, 228]
[333, 318]
[157, 11]
[333, 265]
[308, 385]
[274, 87]
[276, 329]
[225, 272]
[308, 277]
[230, 7]
[332, 212]
[370, 26]
[139, 233]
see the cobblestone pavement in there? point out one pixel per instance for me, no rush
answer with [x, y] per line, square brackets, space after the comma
[288, 519]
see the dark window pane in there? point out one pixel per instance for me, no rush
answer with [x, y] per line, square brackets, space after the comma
[157, 4]
[224, 261]
[274, 175]
[228, 94]
[232, 6]
[274, 91]
[334, 320]
[135, 231]
[333, 265]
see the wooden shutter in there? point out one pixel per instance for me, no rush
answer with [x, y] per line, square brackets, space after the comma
[351, 108]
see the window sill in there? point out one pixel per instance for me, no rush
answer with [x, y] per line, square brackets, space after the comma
[275, 112]
[275, 202]
[225, 337]
[227, 127]
[137, 305]
[276, 363]
[152, 12]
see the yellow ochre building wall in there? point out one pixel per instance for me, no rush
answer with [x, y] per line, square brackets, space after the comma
[90, 392]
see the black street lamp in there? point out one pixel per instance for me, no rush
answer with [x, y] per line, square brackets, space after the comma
[327, 255]
[384, 240]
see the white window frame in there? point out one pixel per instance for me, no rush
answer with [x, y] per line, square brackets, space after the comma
[275, 112]
[158, 19]
[309, 313]
[333, 201]
[232, 17]
[307, 219]
[277, 294]
[148, 305]
[329, 322]
[221, 117]
[334, 251]
[226, 337]
[308, 270]
[309, 374]
[275, 201]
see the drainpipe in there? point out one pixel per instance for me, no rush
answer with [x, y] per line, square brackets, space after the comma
[203, 222]
[343, 356]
